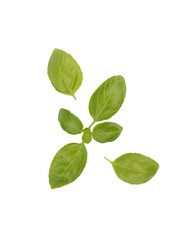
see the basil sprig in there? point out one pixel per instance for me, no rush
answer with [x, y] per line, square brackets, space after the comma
[69, 162]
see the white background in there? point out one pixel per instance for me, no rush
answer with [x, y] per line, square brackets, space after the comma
[137, 39]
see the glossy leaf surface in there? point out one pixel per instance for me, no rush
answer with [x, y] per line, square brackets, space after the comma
[106, 132]
[64, 72]
[107, 99]
[135, 168]
[69, 122]
[67, 164]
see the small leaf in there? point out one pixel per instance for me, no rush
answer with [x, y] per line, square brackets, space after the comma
[64, 72]
[107, 99]
[134, 168]
[106, 132]
[69, 122]
[87, 135]
[67, 164]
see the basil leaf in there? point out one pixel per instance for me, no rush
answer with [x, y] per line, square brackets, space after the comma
[107, 99]
[64, 72]
[135, 168]
[67, 164]
[87, 135]
[69, 122]
[106, 132]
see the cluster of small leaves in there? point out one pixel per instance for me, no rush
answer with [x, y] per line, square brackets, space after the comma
[69, 162]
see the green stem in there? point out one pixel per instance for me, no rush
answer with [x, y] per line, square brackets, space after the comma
[108, 160]
[74, 97]
[91, 124]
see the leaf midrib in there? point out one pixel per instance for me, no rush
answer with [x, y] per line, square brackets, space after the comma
[106, 133]
[113, 163]
[102, 108]
[71, 127]
[73, 158]
[63, 79]
[68, 165]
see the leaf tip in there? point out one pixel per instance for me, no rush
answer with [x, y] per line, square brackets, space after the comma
[51, 185]
[157, 166]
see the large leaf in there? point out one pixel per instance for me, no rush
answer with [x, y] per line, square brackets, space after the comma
[106, 132]
[135, 168]
[64, 72]
[69, 122]
[67, 164]
[107, 99]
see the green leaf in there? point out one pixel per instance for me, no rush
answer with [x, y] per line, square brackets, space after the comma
[106, 132]
[64, 72]
[134, 168]
[107, 99]
[67, 164]
[87, 135]
[69, 122]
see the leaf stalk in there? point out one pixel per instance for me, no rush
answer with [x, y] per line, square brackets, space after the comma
[108, 160]
[74, 97]
[91, 124]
